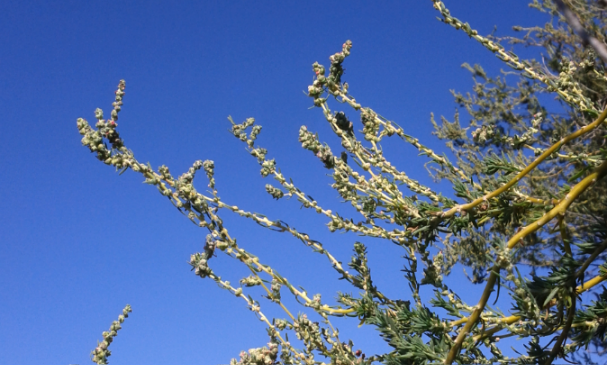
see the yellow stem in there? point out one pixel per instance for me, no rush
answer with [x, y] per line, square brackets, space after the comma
[533, 165]
[511, 319]
[560, 208]
[270, 293]
[473, 317]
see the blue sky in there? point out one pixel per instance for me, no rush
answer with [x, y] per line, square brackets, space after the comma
[79, 241]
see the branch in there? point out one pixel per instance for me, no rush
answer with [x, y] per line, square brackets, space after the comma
[576, 97]
[512, 319]
[558, 209]
[473, 317]
[563, 336]
[591, 258]
[580, 132]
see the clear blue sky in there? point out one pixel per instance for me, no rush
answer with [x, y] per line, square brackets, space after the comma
[78, 241]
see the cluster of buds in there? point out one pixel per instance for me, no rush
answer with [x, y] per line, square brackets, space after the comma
[527, 138]
[209, 246]
[337, 223]
[333, 81]
[308, 332]
[568, 88]
[100, 354]
[253, 136]
[483, 134]
[358, 263]
[316, 89]
[239, 130]
[344, 187]
[260, 153]
[275, 192]
[209, 168]
[326, 156]
[200, 265]
[315, 303]
[503, 257]
[250, 280]
[309, 140]
[566, 79]
[370, 123]
[184, 186]
[336, 70]
[108, 128]
[281, 324]
[432, 272]
[259, 356]
[275, 287]
[165, 173]
[93, 139]
[268, 167]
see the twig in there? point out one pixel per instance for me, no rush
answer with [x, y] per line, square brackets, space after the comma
[563, 336]
[473, 317]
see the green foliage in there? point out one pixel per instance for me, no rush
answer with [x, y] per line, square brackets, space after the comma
[528, 215]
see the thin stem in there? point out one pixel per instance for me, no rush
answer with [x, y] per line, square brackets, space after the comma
[262, 317]
[563, 336]
[561, 207]
[512, 319]
[473, 317]
[591, 258]
[564, 235]
[270, 294]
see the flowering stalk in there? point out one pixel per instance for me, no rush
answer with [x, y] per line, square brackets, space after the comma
[100, 354]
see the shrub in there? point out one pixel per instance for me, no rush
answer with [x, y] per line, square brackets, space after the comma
[527, 214]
